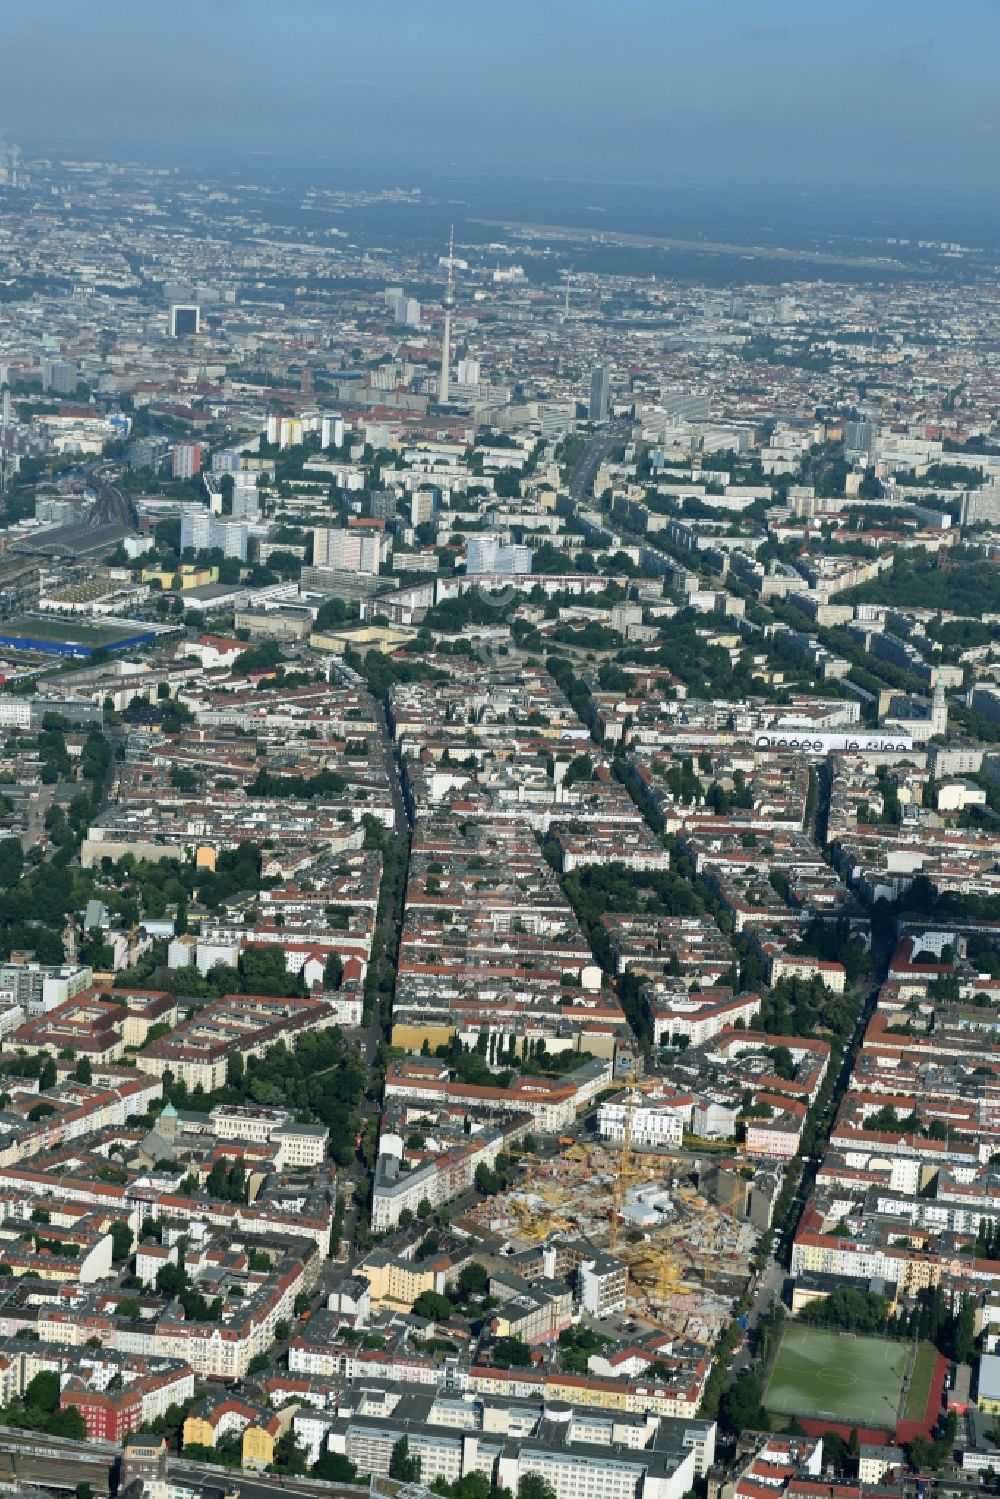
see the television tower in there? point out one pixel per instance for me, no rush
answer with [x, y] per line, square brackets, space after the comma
[4, 424]
[449, 302]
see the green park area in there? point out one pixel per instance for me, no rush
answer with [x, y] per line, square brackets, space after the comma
[837, 1376]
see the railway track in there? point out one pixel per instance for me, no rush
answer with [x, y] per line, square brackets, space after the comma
[30, 1464]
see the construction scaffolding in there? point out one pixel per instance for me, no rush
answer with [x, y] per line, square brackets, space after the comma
[688, 1256]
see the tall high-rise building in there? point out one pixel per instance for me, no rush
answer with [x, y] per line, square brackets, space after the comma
[60, 375]
[600, 393]
[349, 550]
[146, 452]
[423, 504]
[196, 530]
[556, 418]
[185, 460]
[488, 554]
[939, 709]
[404, 309]
[382, 504]
[859, 439]
[203, 531]
[981, 505]
[226, 461]
[331, 434]
[185, 319]
[246, 496]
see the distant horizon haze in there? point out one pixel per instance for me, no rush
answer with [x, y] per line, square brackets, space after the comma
[893, 103]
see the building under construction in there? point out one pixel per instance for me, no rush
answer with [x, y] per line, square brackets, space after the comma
[688, 1256]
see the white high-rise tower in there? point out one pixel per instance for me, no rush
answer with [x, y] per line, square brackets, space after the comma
[939, 709]
[449, 302]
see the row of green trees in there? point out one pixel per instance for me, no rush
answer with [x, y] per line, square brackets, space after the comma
[969, 586]
[320, 1078]
[35, 904]
[295, 787]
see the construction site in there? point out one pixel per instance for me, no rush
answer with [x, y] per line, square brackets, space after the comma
[688, 1255]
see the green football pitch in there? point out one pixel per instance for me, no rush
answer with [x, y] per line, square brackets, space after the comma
[839, 1376]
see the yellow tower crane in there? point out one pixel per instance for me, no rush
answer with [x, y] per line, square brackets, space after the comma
[624, 1162]
[668, 1281]
[738, 1193]
[666, 1275]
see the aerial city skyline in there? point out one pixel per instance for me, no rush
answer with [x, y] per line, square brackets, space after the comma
[499, 752]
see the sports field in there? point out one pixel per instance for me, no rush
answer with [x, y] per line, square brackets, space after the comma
[920, 1382]
[53, 635]
[837, 1375]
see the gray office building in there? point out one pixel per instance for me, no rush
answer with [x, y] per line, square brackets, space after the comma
[60, 376]
[600, 394]
[859, 439]
[146, 452]
[382, 504]
[681, 404]
[185, 319]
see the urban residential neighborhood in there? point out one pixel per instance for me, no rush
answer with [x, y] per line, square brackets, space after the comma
[499, 836]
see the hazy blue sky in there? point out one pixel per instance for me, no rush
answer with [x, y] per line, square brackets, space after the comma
[888, 93]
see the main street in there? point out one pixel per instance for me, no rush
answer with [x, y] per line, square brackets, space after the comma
[376, 1027]
[581, 477]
